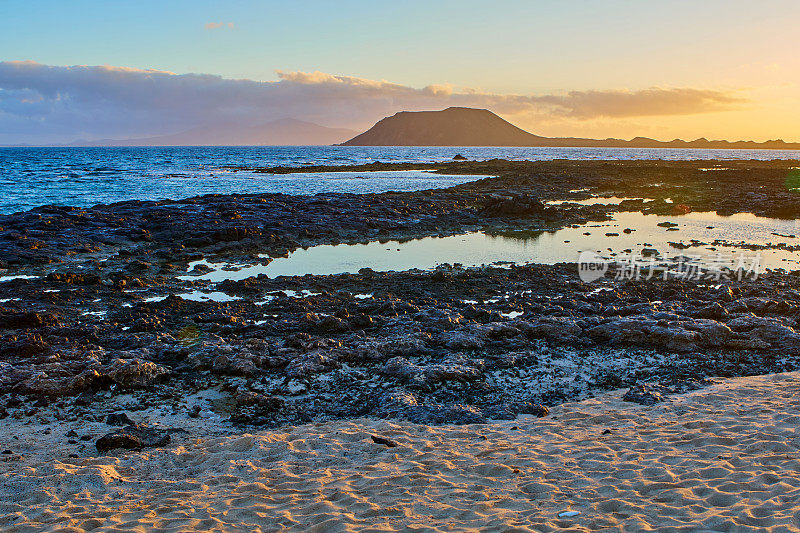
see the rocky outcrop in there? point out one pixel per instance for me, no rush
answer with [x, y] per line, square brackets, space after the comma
[133, 437]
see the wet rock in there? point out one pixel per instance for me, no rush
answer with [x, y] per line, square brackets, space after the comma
[383, 441]
[715, 311]
[536, 409]
[404, 405]
[253, 408]
[87, 380]
[71, 278]
[462, 340]
[138, 266]
[200, 269]
[23, 346]
[27, 319]
[517, 206]
[562, 330]
[401, 367]
[234, 364]
[255, 399]
[131, 373]
[43, 384]
[429, 375]
[360, 321]
[644, 394]
[331, 324]
[642, 330]
[133, 437]
[119, 419]
[312, 363]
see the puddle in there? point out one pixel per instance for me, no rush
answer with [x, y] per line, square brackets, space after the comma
[95, 313]
[600, 200]
[9, 278]
[598, 291]
[198, 296]
[270, 296]
[715, 239]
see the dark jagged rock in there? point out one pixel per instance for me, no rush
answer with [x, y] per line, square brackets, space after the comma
[383, 441]
[135, 372]
[538, 410]
[119, 419]
[134, 437]
[26, 320]
[644, 394]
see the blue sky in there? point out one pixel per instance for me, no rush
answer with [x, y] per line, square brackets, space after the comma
[518, 46]
[499, 47]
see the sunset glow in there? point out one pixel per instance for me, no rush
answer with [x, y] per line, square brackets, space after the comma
[720, 69]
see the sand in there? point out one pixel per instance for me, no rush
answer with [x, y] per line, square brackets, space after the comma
[724, 458]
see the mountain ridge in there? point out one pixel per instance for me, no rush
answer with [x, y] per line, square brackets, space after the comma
[464, 126]
[283, 132]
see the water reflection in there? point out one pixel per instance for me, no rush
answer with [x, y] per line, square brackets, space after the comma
[708, 235]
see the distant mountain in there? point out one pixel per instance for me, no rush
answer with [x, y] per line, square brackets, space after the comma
[286, 132]
[463, 126]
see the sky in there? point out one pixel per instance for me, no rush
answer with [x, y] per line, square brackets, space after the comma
[98, 69]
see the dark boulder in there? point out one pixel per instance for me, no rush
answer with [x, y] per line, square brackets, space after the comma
[133, 437]
[119, 419]
[644, 394]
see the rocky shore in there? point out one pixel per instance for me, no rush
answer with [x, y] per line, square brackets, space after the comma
[92, 321]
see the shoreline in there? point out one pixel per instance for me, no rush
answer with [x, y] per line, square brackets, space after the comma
[515, 200]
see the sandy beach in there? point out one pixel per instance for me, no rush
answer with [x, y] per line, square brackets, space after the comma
[723, 458]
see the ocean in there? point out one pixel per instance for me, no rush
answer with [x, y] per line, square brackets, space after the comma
[82, 177]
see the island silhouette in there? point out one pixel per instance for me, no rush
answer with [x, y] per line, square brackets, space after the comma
[464, 126]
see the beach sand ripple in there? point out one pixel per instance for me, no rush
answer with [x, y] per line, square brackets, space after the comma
[720, 459]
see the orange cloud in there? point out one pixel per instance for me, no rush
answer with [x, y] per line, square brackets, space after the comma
[111, 101]
[655, 101]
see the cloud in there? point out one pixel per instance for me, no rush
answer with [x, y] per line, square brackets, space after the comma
[217, 25]
[41, 103]
[647, 102]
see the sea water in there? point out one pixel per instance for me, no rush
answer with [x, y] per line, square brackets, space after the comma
[83, 177]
